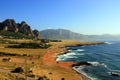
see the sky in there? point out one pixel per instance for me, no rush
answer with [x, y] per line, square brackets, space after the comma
[81, 16]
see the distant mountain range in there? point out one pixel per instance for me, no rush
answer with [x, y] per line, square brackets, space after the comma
[59, 34]
[67, 34]
[10, 28]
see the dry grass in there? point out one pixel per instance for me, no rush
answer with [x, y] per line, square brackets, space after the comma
[19, 61]
[58, 70]
[24, 51]
[4, 76]
[21, 40]
[44, 61]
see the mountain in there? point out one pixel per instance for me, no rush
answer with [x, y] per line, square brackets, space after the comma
[67, 34]
[10, 26]
[59, 34]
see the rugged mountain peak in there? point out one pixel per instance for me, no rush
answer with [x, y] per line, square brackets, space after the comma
[10, 25]
[23, 27]
[23, 22]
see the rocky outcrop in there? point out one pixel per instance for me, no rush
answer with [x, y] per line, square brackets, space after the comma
[9, 25]
[82, 63]
[36, 34]
[23, 27]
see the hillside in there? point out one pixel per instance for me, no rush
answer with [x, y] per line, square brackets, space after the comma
[9, 28]
[59, 34]
[67, 34]
[8, 34]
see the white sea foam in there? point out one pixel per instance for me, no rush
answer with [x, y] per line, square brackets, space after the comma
[60, 59]
[103, 64]
[70, 54]
[79, 70]
[80, 50]
[69, 50]
[66, 56]
[82, 72]
[108, 43]
[94, 63]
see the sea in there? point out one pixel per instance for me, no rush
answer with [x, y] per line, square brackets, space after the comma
[105, 60]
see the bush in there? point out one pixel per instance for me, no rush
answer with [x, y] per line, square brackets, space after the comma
[8, 54]
[30, 45]
[17, 70]
[18, 35]
[45, 40]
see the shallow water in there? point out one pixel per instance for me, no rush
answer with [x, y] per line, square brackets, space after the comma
[104, 58]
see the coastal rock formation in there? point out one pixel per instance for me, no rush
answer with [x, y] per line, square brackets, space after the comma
[81, 63]
[11, 26]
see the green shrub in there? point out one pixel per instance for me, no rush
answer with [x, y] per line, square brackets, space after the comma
[18, 35]
[30, 45]
[17, 70]
[8, 54]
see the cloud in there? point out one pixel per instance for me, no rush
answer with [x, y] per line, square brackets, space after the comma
[48, 27]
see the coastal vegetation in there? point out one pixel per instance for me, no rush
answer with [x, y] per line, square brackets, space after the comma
[30, 56]
[49, 40]
[30, 45]
[13, 54]
[14, 35]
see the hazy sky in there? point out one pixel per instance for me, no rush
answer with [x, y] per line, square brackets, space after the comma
[83, 16]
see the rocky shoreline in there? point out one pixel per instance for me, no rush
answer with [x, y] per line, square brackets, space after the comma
[74, 64]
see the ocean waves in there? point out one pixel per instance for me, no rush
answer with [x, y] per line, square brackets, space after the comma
[67, 56]
[104, 60]
[72, 54]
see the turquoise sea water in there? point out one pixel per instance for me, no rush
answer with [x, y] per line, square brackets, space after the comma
[104, 58]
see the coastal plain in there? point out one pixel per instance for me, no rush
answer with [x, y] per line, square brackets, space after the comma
[41, 62]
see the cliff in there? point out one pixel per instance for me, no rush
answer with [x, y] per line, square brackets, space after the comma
[10, 25]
